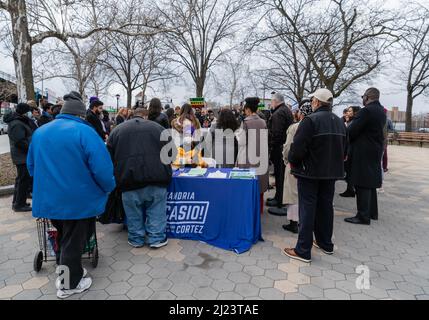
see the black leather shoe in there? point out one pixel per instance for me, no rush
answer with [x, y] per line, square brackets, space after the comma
[348, 194]
[23, 209]
[273, 203]
[278, 212]
[270, 199]
[374, 218]
[292, 227]
[357, 220]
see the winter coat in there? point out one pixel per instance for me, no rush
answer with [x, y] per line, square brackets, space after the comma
[72, 170]
[135, 147]
[96, 122]
[119, 119]
[253, 122]
[366, 134]
[319, 146]
[278, 125]
[20, 133]
[162, 120]
[45, 118]
[228, 145]
[290, 189]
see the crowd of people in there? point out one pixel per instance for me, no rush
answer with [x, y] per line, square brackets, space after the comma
[70, 158]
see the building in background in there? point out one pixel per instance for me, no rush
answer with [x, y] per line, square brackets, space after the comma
[398, 118]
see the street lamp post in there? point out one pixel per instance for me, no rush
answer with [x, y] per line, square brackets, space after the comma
[117, 102]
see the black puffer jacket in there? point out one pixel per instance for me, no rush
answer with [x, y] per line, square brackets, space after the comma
[318, 149]
[20, 132]
[136, 147]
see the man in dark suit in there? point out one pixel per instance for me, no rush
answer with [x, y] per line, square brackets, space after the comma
[367, 138]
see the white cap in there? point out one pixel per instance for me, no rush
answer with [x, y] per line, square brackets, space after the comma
[323, 95]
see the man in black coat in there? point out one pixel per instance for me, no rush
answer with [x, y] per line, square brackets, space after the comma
[317, 160]
[278, 125]
[46, 116]
[20, 132]
[143, 178]
[366, 134]
[93, 116]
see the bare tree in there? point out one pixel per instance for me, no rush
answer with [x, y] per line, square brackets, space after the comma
[73, 61]
[343, 39]
[34, 21]
[415, 45]
[202, 39]
[232, 78]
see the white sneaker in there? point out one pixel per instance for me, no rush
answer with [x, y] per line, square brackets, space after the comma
[57, 281]
[84, 284]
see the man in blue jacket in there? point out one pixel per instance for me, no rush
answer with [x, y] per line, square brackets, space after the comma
[73, 175]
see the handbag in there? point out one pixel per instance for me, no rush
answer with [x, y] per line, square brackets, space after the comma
[114, 212]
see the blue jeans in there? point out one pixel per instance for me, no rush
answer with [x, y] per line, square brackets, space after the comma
[146, 211]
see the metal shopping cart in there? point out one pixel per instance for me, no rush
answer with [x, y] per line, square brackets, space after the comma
[48, 245]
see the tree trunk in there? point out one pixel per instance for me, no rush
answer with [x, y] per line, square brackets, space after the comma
[129, 97]
[199, 88]
[409, 119]
[22, 54]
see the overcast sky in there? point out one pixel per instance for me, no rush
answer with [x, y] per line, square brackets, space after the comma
[181, 90]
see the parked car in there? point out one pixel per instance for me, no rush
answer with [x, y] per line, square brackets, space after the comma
[3, 127]
[424, 130]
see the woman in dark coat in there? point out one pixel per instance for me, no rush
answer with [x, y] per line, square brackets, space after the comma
[350, 192]
[155, 113]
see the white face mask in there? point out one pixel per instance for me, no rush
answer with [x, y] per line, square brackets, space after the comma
[29, 114]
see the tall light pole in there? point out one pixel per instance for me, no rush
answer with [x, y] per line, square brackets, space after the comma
[117, 102]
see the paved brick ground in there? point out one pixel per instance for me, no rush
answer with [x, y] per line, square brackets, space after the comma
[396, 249]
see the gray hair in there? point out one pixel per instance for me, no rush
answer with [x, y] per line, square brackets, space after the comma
[279, 97]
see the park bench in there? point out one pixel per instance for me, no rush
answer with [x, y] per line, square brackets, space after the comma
[409, 137]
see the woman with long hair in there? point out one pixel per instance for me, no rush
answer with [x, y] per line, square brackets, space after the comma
[186, 135]
[156, 115]
[226, 125]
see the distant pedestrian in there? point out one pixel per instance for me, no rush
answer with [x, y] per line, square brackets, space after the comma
[317, 160]
[366, 134]
[20, 134]
[142, 178]
[73, 175]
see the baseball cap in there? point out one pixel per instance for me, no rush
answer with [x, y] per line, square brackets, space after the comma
[323, 95]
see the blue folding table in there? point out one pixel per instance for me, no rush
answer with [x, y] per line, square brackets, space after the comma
[222, 212]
